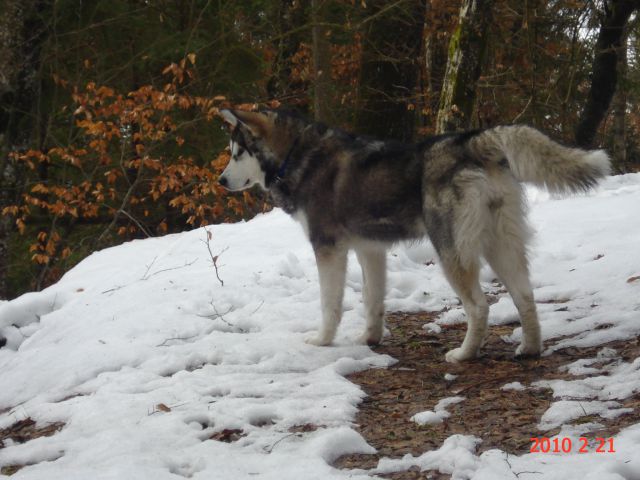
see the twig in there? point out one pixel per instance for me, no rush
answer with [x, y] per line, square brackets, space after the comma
[164, 343]
[270, 449]
[506, 459]
[125, 199]
[137, 222]
[525, 471]
[517, 117]
[187, 264]
[585, 412]
[216, 315]
[258, 308]
[214, 258]
[149, 267]
[113, 289]
[219, 316]
[517, 474]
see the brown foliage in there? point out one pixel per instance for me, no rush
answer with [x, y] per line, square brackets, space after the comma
[130, 156]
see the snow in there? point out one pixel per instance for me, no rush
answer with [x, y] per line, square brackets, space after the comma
[145, 356]
[563, 411]
[455, 457]
[516, 386]
[432, 327]
[438, 414]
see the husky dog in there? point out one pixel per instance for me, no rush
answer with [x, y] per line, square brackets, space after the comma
[461, 190]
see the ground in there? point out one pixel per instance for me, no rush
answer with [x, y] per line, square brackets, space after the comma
[504, 419]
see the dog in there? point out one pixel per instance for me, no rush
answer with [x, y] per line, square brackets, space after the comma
[462, 190]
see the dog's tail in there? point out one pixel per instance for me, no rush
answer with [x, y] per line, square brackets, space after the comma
[534, 157]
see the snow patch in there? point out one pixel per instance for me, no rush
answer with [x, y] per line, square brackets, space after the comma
[439, 413]
[456, 457]
[517, 386]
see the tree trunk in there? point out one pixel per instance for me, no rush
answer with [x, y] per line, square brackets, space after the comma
[620, 110]
[390, 70]
[22, 33]
[466, 53]
[604, 74]
[6, 178]
[321, 50]
[434, 61]
[289, 15]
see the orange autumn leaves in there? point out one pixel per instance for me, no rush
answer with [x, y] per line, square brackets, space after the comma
[129, 167]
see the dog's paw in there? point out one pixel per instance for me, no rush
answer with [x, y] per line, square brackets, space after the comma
[532, 350]
[370, 338]
[458, 355]
[318, 340]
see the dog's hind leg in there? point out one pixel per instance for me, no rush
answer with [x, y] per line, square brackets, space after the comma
[373, 263]
[332, 266]
[506, 254]
[464, 280]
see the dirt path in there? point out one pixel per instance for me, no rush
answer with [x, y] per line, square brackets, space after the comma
[504, 419]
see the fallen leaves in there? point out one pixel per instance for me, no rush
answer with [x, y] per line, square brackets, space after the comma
[228, 435]
[25, 430]
[504, 419]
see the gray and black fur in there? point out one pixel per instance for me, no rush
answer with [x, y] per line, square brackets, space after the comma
[461, 190]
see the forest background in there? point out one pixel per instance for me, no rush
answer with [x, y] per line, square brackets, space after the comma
[108, 126]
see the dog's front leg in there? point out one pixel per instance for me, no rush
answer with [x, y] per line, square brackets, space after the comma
[332, 266]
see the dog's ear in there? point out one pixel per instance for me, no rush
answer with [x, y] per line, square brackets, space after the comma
[229, 117]
[258, 123]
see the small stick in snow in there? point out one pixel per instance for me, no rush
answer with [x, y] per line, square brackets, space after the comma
[184, 339]
[270, 449]
[220, 317]
[186, 264]
[517, 474]
[113, 289]
[144, 277]
[258, 308]
[214, 258]
[585, 412]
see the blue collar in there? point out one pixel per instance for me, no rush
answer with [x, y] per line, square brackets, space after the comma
[283, 168]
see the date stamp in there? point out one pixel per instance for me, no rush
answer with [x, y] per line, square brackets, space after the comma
[568, 445]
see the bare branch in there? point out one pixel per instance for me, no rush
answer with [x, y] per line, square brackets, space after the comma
[214, 258]
[186, 264]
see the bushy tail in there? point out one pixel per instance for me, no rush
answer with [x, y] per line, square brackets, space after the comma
[534, 157]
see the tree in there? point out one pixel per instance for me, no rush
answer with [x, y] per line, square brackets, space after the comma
[392, 37]
[284, 55]
[619, 107]
[439, 21]
[22, 33]
[605, 62]
[321, 50]
[466, 53]
[83, 98]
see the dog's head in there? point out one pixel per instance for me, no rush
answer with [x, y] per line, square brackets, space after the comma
[259, 143]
